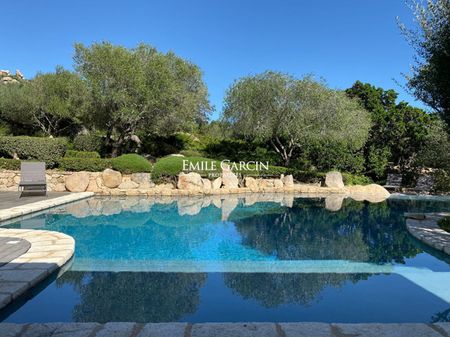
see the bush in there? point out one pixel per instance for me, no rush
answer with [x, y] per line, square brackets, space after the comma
[9, 164]
[355, 179]
[444, 223]
[81, 154]
[84, 164]
[88, 143]
[441, 182]
[131, 163]
[48, 150]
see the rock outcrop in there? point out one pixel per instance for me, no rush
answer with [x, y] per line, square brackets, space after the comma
[190, 181]
[372, 193]
[77, 182]
[334, 179]
[229, 179]
[111, 178]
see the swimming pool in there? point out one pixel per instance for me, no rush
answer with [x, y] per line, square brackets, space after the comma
[249, 258]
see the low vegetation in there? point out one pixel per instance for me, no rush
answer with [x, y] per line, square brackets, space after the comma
[444, 223]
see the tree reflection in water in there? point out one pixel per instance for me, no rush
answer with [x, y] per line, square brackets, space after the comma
[134, 297]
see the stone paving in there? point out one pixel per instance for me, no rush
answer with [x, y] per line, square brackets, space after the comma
[115, 329]
[48, 251]
[424, 227]
[31, 206]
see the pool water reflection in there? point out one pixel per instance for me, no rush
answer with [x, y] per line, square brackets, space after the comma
[156, 260]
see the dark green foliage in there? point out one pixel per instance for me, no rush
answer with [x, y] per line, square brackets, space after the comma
[355, 179]
[398, 130]
[131, 163]
[239, 150]
[81, 154]
[48, 150]
[84, 164]
[326, 156]
[191, 153]
[311, 177]
[88, 142]
[441, 181]
[9, 164]
[160, 146]
[430, 79]
[444, 223]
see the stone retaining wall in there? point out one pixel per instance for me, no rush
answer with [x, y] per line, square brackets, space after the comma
[110, 182]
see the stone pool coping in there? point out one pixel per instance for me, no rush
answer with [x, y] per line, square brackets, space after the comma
[424, 227]
[48, 252]
[126, 329]
[32, 207]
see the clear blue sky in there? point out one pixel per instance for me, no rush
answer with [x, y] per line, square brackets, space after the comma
[341, 41]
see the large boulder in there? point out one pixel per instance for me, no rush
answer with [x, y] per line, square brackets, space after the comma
[229, 179]
[142, 179]
[278, 183]
[191, 181]
[288, 181]
[251, 183]
[77, 181]
[128, 185]
[207, 184]
[334, 179]
[111, 178]
[371, 193]
[217, 183]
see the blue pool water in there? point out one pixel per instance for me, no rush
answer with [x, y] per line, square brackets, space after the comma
[255, 258]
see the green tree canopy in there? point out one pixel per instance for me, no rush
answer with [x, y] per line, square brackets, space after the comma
[397, 132]
[430, 79]
[52, 103]
[140, 90]
[290, 112]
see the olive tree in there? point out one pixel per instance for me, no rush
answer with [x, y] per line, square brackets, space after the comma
[430, 38]
[140, 90]
[50, 103]
[290, 112]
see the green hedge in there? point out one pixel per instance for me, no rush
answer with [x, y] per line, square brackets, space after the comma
[9, 164]
[81, 154]
[88, 143]
[131, 163]
[48, 150]
[84, 164]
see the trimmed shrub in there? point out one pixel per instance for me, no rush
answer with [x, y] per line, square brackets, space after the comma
[9, 164]
[48, 150]
[84, 164]
[131, 163]
[81, 154]
[88, 143]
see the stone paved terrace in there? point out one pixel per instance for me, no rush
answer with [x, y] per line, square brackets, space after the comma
[11, 206]
[223, 330]
[424, 227]
[11, 199]
[48, 251]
